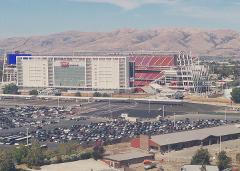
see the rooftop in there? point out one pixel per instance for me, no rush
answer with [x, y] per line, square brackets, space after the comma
[192, 135]
[128, 156]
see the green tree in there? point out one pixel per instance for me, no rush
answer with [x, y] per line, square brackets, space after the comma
[35, 155]
[201, 157]
[97, 94]
[6, 162]
[33, 92]
[20, 154]
[78, 94]
[68, 148]
[10, 89]
[105, 95]
[236, 95]
[223, 161]
[98, 152]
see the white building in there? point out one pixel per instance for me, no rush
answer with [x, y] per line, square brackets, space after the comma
[95, 72]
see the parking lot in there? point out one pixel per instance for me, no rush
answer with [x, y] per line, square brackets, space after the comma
[109, 108]
[56, 121]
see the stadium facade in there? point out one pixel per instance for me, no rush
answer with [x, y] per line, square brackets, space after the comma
[96, 72]
[111, 70]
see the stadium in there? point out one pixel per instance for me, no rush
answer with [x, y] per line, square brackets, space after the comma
[142, 71]
[169, 70]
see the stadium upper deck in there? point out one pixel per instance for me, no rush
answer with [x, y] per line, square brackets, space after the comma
[155, 62]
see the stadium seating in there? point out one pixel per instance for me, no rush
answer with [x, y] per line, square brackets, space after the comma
[149, 68]
[153, 61]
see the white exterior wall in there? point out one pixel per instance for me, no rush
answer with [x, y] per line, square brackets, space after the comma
[35, 72]
[105, 73]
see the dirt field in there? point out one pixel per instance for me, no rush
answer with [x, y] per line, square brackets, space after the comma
[175, 159]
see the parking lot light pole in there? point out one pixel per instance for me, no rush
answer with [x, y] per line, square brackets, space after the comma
[163, 112]
[58, 101]
[220, 143]
[225, 115]
[168, 157]
[174, 119]
[27, 136]
[149, 106]
[109, 105]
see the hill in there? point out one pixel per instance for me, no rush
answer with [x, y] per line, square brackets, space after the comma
[198, 41]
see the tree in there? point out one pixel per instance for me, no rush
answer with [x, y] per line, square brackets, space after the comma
[223, 161]
[6, 162]
[78, 94]
[33, 92]
[105, 95]
[97, 94]
[236, 95]
[35, 155]
[201, 157]
[98, 152]
[20, 154]
[68, 148]
[10, 89]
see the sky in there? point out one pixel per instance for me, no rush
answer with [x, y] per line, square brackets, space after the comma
[41, 17]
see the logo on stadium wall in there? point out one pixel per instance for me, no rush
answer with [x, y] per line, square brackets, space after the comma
[64, 64]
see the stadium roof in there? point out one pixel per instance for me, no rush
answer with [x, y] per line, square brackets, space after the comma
[121, 52]
[200, 134]
[128, 156]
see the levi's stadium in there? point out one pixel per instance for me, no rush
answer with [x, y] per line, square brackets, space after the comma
[142, 71]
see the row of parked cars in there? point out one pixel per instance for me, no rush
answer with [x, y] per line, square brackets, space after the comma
[17, 117]
[117, 130]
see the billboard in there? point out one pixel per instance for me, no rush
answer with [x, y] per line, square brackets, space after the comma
[12, 58]
[69, 72]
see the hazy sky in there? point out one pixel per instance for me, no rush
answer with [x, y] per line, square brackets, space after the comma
[35, 17]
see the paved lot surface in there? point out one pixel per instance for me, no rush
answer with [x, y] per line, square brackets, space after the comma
[116, 108]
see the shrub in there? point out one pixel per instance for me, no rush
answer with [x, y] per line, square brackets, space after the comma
[10, 89]
[201, 157]
[223, 161]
